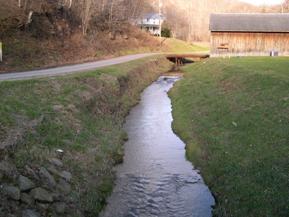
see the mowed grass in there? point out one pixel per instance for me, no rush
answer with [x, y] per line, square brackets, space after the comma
[234, 116]
[168, 45]
[179, 46]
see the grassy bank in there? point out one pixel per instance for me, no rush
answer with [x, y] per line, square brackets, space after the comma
[81, 114]
[174, 45]
[167, 45]
[234, 116]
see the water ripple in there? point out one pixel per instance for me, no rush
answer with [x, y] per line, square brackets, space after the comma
[155, 179]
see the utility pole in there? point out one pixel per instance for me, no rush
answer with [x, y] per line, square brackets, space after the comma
[160, 15]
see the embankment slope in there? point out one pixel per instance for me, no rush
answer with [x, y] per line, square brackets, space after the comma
[82, 114]
[233, 115]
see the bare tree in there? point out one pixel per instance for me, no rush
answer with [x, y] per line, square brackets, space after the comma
[285, 6]
[189, 19]
[86, 15]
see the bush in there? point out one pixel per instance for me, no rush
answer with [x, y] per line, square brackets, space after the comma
[166, 32]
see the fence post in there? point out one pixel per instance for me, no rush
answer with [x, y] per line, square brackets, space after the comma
[1, 52]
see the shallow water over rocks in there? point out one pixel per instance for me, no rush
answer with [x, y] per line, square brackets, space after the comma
[155, 179]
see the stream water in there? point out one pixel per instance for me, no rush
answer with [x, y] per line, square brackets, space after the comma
[155, 179]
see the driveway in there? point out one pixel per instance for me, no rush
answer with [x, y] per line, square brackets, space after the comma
[64, 70]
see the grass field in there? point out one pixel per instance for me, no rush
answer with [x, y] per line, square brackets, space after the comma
[81, 114]
[166, 45]
[178, 46]
[234, 116]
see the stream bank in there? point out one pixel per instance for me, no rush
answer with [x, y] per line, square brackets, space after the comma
[233, 116]
[82, 115]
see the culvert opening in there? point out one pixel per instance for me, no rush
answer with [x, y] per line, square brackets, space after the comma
[183, 59]
[180, 60]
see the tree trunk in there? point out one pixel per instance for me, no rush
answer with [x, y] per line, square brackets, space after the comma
[111, 15]
[29, 18]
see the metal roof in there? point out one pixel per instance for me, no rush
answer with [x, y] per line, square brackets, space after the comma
[155, 16]
[249, 23]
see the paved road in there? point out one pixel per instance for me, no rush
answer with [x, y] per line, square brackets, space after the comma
[64, 70]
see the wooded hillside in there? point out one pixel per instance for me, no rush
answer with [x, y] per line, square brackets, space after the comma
[189, 19]
[44, 33]
[60, 15]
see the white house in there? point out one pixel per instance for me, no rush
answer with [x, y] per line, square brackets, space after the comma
[152, 23]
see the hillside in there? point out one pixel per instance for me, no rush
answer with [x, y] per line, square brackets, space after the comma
[233, 115]
[23, 51]
[8, 10]
[54, 36]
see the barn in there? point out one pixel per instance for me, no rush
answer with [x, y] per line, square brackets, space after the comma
[249, 34]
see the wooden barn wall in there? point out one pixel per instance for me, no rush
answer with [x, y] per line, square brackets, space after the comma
[245, 44]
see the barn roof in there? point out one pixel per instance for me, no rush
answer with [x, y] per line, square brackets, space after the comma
[249, 23]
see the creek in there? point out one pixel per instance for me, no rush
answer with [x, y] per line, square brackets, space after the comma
[155, 179]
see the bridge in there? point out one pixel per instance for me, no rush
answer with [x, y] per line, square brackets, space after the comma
[181, 59]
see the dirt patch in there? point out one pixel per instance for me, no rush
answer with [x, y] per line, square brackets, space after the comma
[15, 135]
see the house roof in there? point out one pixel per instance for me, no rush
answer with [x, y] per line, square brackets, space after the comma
[249, 23]
[149, 25]
[153, 16]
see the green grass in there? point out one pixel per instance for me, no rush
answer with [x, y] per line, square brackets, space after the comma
[234, 116]
[86, 123]
[169, 45]
[178, 46]
[135, 51]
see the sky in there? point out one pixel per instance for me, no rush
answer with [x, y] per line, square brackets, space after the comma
[262, 2]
